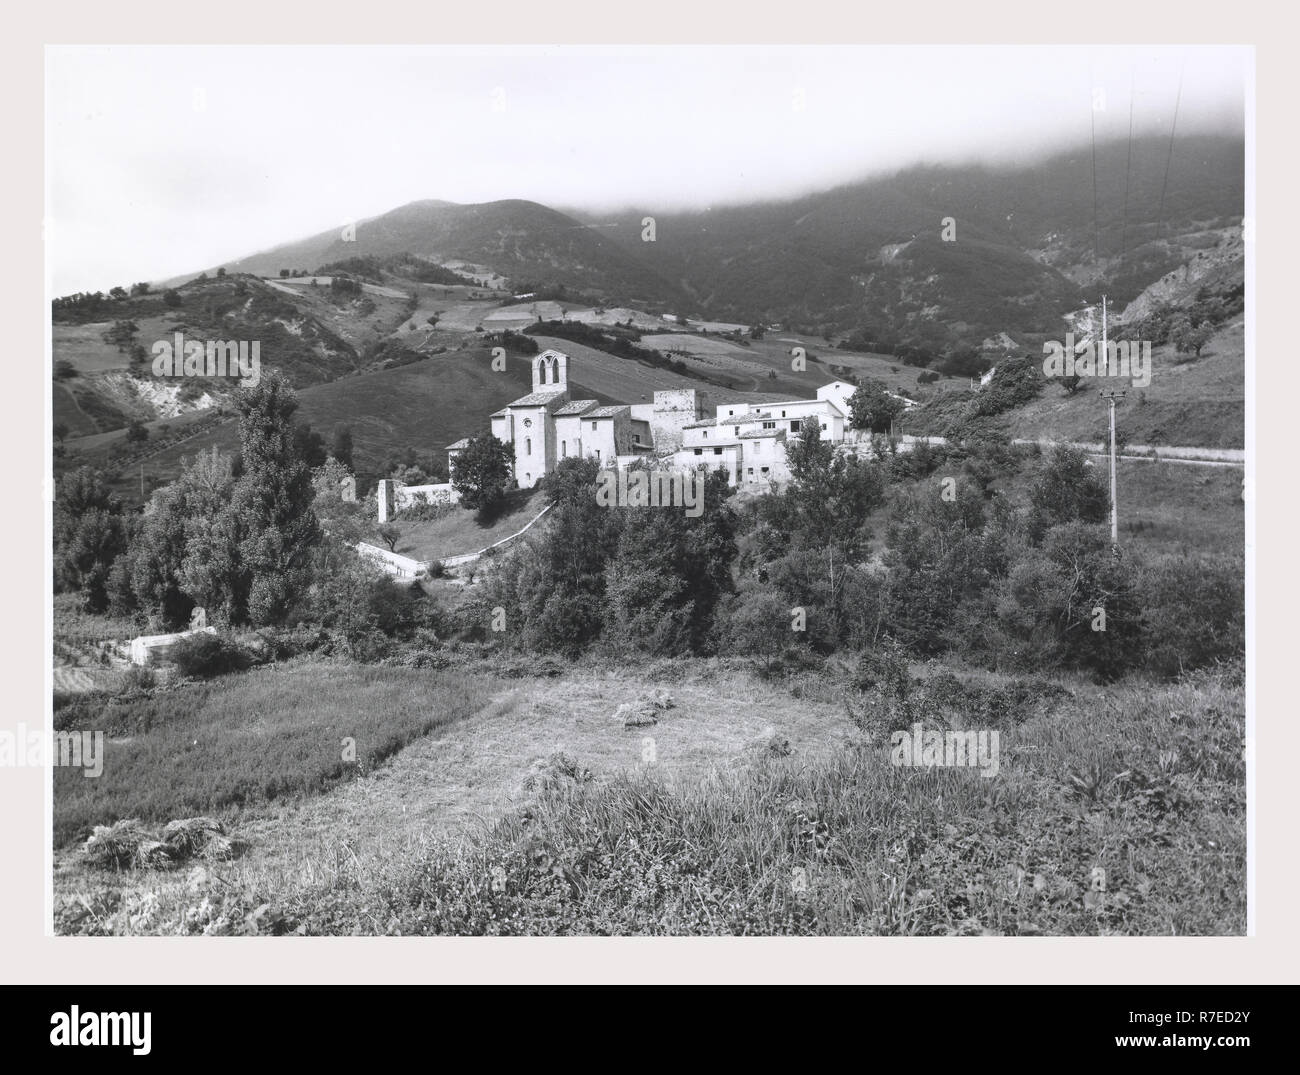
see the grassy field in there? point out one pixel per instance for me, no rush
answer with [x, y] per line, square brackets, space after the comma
[751, 807]
[1174, 507]
[459, 531]
[230, 744]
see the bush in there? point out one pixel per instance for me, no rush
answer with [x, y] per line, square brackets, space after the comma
[885, 669]
[137, 679]
[201, 656]
[1195, 613]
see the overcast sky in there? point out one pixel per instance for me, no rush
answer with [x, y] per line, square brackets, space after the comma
[162, 160]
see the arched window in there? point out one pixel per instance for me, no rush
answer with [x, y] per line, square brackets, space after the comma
[528, 446]
[564, 449]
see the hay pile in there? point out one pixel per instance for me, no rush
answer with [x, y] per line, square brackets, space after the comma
[126, 844]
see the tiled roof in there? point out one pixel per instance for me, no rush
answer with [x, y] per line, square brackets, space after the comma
[763, 433]
[463, 442]
[500, 414]
[536, 399]
[608, 412]
[578, 406]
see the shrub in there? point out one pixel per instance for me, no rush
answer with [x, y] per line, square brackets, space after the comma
[203, 655]
[137, 679]
[884, 668]
[1195, 612]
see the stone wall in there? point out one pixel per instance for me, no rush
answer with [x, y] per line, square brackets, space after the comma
[673, 409]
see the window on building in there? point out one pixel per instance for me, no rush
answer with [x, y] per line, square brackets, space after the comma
[823, 428]
[593, 427]
[749, 471]
[717, 450]
[783, 414]
[769, 425]
[706, 434]
[528, 446]
[794, 426]
[764, 469]
[737, 431]
[699, 451]
[564, 448]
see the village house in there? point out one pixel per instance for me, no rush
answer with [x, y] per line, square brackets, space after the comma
[747, 440]
[680, 429]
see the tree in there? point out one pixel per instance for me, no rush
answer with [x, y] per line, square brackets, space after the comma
[1066, 489]
[137, 432]
[272, 499]
[142, 288]
[341, 447]
[122, 334]
[757, 625]
[187, 550]
[1190, 339]
[481, 472]
[873, 407]
[172, 297]
[89, 534]
[390, 535]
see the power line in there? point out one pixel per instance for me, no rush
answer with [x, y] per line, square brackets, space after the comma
[1096, 228]
[1128, 171]
[1173, 127]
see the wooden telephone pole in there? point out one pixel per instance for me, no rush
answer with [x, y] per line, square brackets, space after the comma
[1111, 397]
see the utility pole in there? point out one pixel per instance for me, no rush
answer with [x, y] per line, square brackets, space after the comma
[1111, 397]
[1105, 351]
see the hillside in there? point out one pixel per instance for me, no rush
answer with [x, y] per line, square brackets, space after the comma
[1195, 402]
[522, 240]
[424, 405]
[311, 339]
[870, 254]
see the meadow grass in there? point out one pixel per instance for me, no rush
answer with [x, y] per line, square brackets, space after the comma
[238, 741]
[1116, 811]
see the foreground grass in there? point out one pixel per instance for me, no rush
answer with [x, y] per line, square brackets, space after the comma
[243, 740]
[1120, 812]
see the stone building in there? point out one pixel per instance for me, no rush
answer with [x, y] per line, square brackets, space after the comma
[747, 440]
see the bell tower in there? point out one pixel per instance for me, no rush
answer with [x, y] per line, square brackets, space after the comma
[551, 372]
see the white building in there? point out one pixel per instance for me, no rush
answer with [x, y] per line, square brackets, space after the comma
[747, 440]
